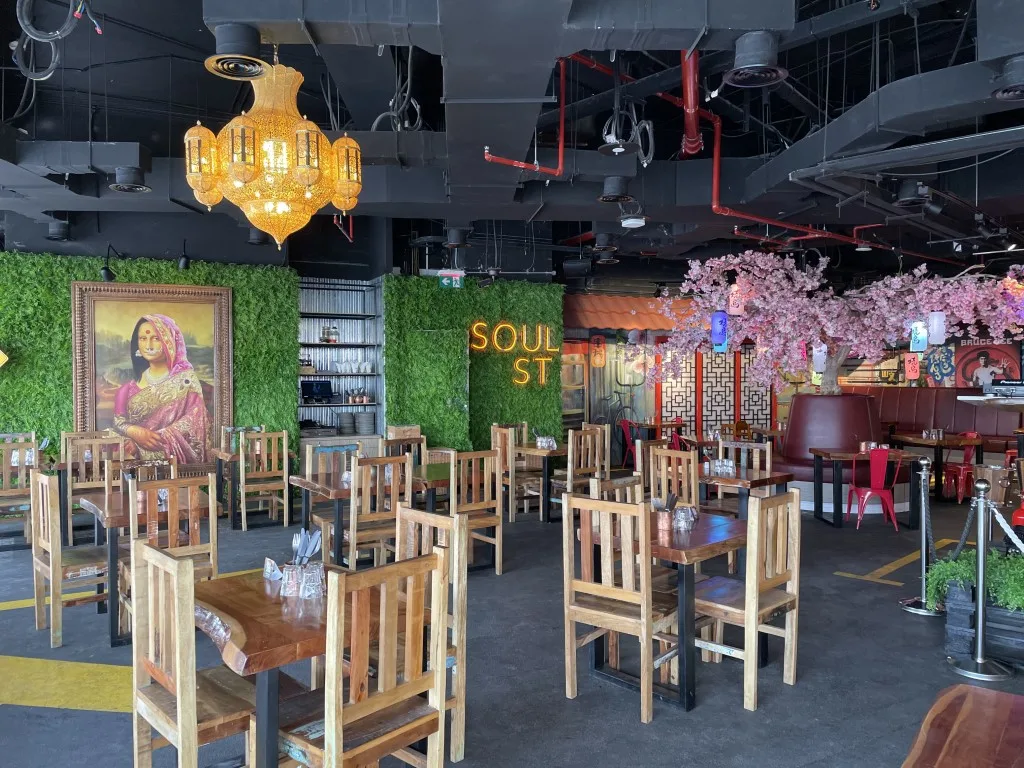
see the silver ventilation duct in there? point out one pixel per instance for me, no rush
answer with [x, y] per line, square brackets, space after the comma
[756, 63]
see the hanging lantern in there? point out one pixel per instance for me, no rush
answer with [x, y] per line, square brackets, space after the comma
[719, 330]
[918, 336]
[349, 160]
[936, 328]
[240, 141]
[737, 300]
[202, 169]
[310, 152]
[819, 354]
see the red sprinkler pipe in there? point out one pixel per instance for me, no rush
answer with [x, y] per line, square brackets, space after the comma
[693, 142]
[561, 138]
[761, 239]
[857, 230]
[341, 227]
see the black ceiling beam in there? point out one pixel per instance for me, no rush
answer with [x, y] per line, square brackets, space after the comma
[640, 89]
[790, 94]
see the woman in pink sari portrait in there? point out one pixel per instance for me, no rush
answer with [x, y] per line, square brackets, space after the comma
[161, 412]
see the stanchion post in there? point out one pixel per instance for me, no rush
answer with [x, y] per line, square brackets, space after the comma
[919, 605]
[978, 667]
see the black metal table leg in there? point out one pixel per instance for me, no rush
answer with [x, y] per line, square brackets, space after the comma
[220, 480]
[979, 455]
[687, 635]
[937, 469]
[1020, 445]
[289, 501]
[914, 521]
[99, 538]
[837, 493]
[819, 480]
[545, 490]
[307, 508]
[116, 638]
[266, 718]
[338, 534]
[432, 499]
[598, 648]
[62, 486]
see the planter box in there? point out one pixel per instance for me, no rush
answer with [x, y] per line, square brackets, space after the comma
[1004, 629]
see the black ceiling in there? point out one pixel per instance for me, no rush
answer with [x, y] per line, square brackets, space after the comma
[865, 76]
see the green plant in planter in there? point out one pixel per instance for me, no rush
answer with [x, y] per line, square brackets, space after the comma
[1004, 577]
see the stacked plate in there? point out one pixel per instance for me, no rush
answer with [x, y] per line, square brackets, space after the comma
[364, 423]
[347, 423]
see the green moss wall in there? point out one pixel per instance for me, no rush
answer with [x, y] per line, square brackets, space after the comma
[419, 303]
[35, 332]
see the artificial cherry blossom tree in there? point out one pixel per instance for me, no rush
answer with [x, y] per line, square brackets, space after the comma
[787, 310]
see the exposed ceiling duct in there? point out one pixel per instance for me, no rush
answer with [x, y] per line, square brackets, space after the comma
[757, 62]
[238, 53]
[58, 231]
[615, 190]
[1011, 81]
[129, 179]
[457, 238]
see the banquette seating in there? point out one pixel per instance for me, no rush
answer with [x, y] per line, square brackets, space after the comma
[913, 409]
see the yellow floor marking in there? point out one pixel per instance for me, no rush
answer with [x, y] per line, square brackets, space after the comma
[65, 684]
[877, 575]
[28, 602]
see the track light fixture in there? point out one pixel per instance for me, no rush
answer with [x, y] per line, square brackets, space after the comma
[184, 261]
[106, 273]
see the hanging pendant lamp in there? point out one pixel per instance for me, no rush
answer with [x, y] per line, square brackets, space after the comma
[276, 166]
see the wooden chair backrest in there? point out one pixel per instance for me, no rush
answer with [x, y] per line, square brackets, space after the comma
[417, 533]
[440, 455]
[335, 459]
[399, 446]
[140, 469]
[739, 430]
[520, 428]
[85, 457]
[586, 456]
[17, 460]
[186, 507]
[475, 485]
[600, 523]
[65, 437]
[773, 545]
[164, 637]
[643, 450]
[229, 435]
[396, 431]
[379, 485]
[746, 454]
[674, 472]
[362, 613]
[263, 455]
[606, 447]
[17, 437]
[628, 489]
[503, 440]
[46, 517]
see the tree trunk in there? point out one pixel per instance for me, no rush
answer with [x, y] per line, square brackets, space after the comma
[830, 376]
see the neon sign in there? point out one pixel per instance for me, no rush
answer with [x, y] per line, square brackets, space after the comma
[507, 338]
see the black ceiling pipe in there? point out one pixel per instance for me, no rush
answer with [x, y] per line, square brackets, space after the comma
[615, 190]
[58, 231]
[456, 238]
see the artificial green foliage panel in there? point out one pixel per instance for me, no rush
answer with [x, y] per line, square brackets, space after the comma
[439, 364]
[418, 304]
[35, 331]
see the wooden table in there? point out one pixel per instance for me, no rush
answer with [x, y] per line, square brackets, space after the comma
[744, 481]
[545, 454]
[712, 536]
[949, 441]
[328, 485]
[970, 726]
[762, 435]
[821, 455]
[108, 520]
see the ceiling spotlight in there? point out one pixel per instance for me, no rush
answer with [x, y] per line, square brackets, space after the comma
[106, 273]
[1009, 245]
[863, 247]
[614, 190]
[183, 261]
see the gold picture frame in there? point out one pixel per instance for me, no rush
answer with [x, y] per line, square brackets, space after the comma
[188, 329]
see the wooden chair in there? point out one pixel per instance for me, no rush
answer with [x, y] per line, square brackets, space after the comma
[606, 447]
[396, 431]
[674, 472]
[738, 430]
[358, 724]
[379, 485]
[516, 480]
[417, 446]
[263, 471]
[321, 459]
[19, 455]
[585, 449]
[642, 451]
[615, 599]
[417, 533]
[771, 588]
[476, 489]
[84, 453]
[58, 566]
[188, 708]
[229, 436]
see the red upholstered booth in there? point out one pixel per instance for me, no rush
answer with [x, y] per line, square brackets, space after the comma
[837, 423]
[917, 408]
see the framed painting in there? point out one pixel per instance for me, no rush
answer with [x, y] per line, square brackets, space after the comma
[153, 363]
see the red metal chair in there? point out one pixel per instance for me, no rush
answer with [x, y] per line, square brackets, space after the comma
[630, 432]
[677, 443]
[959, 474]
[1011, 458]
[878, 460]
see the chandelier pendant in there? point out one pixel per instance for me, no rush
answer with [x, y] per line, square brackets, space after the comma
[275, 165]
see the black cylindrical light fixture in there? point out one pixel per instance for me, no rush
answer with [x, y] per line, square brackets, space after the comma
[615, 190]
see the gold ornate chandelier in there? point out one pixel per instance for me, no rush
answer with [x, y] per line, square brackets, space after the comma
[276, 166]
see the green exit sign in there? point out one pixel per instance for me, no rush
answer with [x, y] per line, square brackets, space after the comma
[452, 279]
